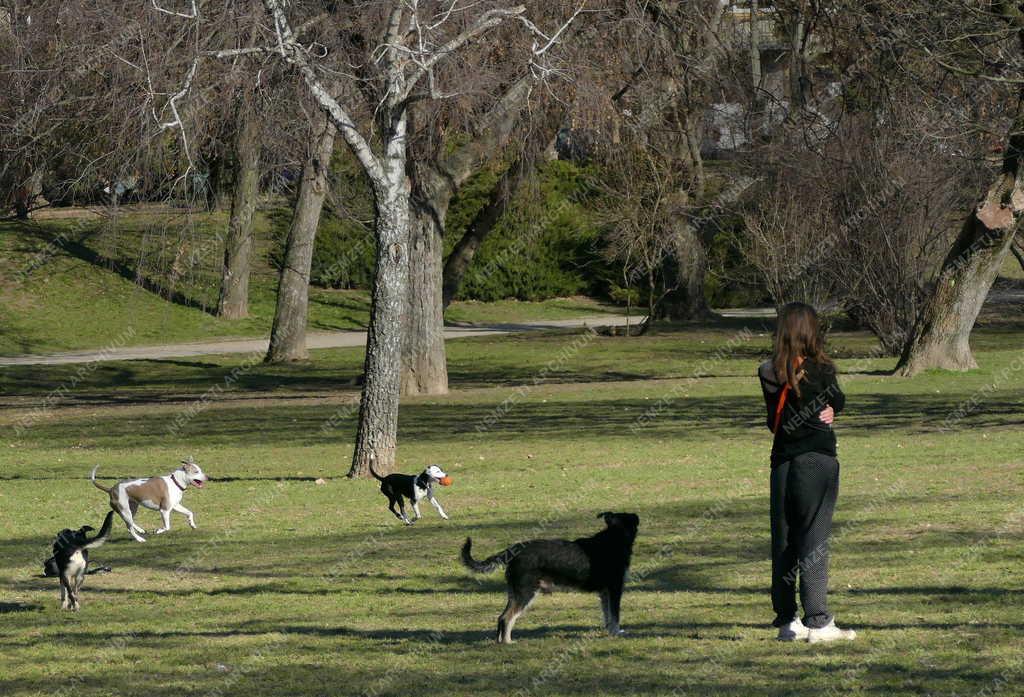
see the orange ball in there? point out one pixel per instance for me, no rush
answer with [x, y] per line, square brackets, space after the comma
[445, 481]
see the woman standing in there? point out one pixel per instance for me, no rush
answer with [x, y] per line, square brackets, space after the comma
[802, 396]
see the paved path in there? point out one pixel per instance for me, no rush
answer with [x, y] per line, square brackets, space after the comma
[314, 340]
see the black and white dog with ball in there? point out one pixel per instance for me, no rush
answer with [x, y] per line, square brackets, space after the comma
[415, 488]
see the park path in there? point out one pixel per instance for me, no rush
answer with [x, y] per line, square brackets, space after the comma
[314, 340]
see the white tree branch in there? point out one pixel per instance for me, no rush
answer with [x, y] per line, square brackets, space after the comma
[194, 14]
[294, 54]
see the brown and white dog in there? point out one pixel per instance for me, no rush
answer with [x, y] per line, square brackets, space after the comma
[156, 493]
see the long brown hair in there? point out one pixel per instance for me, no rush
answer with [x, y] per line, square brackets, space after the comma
[798, 336]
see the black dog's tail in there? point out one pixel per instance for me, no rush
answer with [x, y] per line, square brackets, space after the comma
[487, 565]
[373, 471]
[103, 534]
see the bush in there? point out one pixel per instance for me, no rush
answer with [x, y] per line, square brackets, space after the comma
[545, 246]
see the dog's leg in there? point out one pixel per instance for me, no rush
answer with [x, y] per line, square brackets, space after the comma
[134, 528]
[185, 512]
[504, 633]
[614, 603]
[606, 609]
[437, 505]
[63, 591]
[126, 516]
[416, 510]
[79, 580]
[404, 517]
[165, 516]
[391, 507]
[519, 600]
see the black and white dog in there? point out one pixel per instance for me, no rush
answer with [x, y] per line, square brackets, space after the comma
[414, 487]
[594, 564]
[71, 558]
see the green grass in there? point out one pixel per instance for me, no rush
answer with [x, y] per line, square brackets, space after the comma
[289, 587]
[70, 284]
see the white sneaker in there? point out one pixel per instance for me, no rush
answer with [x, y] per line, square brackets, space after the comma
[830, 632]
[793, 631]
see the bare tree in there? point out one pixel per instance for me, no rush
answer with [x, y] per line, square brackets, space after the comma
[288, 335]
[415, 43]
[239, 242]
[944, 41]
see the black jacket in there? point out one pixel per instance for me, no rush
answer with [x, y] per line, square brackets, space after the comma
[800, 429]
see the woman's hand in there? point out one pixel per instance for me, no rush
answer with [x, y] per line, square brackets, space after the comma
[827, 416]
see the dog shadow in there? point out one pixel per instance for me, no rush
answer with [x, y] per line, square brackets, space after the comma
[19, 607]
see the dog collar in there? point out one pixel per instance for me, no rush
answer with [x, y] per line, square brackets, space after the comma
[175, 480]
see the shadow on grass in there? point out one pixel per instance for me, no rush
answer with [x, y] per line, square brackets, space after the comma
[330, 423]
[6, 608]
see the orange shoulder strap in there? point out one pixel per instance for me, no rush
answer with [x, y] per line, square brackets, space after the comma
[779, 407]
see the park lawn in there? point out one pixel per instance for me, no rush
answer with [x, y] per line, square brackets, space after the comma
[58, 296]
[290, 587]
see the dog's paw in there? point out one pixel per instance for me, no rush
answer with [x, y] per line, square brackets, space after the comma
[616, 631]
[160, 531]
[444, 516]
[192, 525]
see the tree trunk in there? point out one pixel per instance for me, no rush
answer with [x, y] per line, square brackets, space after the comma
[755, 51]
[1017, 247]
[238, 245]
[288, 336]
[796, 61]
[465, 249]
[424, 362]
[376, 439]
[435, 184]
[690, 259]
[26, 195]
[941, 336]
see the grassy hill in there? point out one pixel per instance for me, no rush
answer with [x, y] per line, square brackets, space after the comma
[77, 282]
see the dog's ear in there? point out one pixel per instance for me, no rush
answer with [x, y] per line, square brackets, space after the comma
[608, 517]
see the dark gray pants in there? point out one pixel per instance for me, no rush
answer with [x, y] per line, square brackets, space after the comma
[803, 498]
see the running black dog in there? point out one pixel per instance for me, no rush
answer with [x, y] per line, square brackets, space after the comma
[414, 487]
[71, 558]
[594, 564]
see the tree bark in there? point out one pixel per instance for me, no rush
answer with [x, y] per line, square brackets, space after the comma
[796, 61]
[461, 256]
[755, 52]
[690, 259]
[238, 244]
[288, 336]
[941, 336]
[1017, 247]
[424, 361]
[376, 439]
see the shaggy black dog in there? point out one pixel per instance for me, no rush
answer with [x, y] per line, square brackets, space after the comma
[594, 564]
[71, 558]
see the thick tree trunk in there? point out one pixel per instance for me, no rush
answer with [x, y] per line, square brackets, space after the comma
[26, 195]
[288, 336]
[424, 362]
[238, 244]
[376, 439]
[941, 336]
[436, 182]
[461, 256]
[690, 260]
[796, 61]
